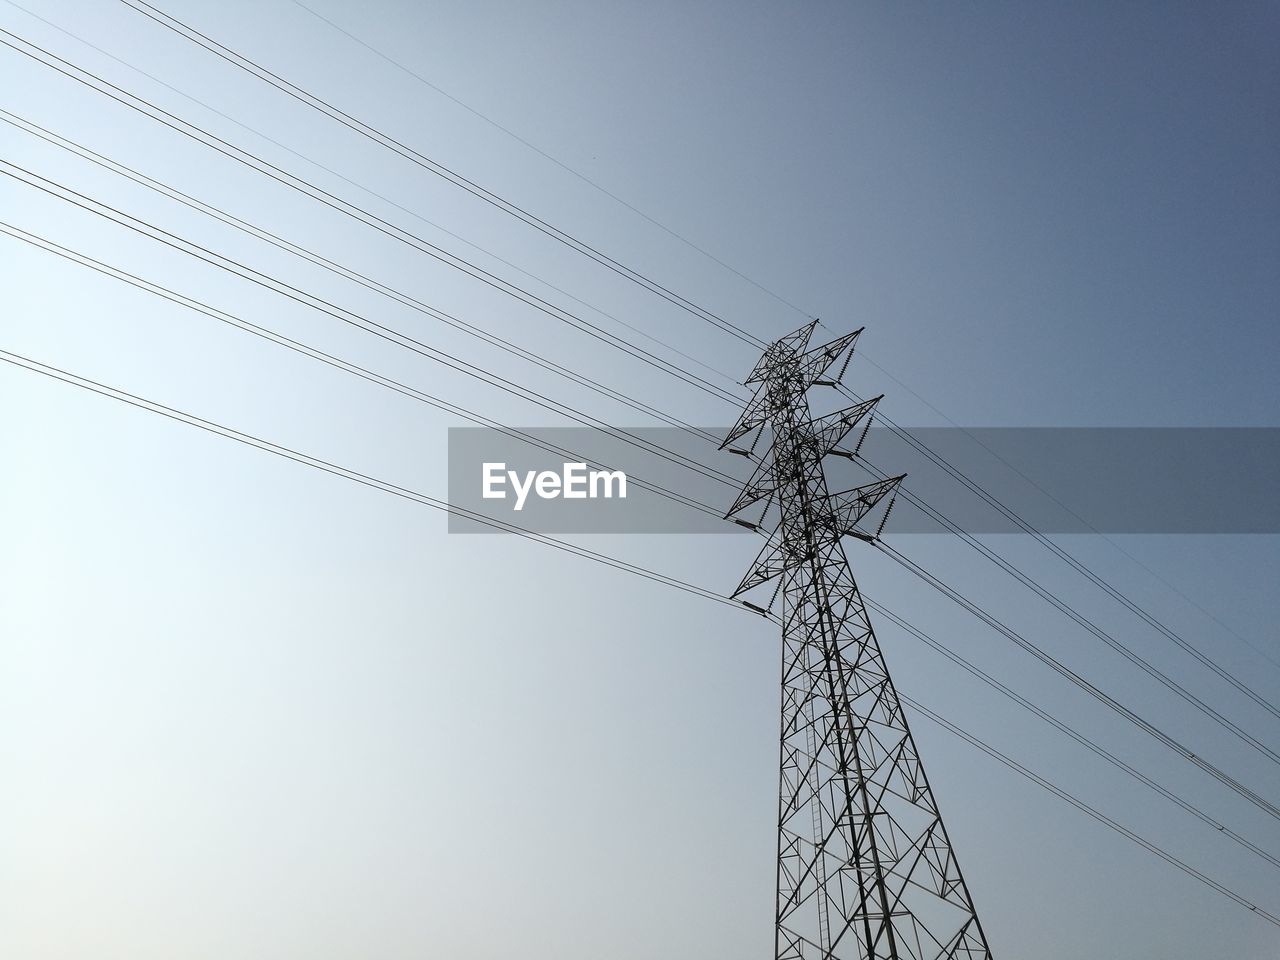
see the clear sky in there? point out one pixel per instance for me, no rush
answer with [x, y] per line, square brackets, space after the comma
[251, 710]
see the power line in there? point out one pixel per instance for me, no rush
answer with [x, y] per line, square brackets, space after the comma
[382, 331]
[357, 213]
[1080, 567]
[400, 387]
[319, 104]
[1251, 907]
[1117, 595]
[433, 166]
[1138, 661]
[24, 51]
[1049, 718]
[1089, 744]
[1037, 652]
[238, 158]
[1091, 811]
[285, 86]
[333, 266]
[1082, 621]
[1073, 561]
[346, 473]
[595, 185]
[365, 188]
[328, 359]
[259, 443]
[397, 386]
[707, 509]
[991, 621]
[1063, 670]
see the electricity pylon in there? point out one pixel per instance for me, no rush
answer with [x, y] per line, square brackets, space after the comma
[865, 867]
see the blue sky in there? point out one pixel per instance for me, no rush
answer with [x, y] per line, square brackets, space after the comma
[250, 710]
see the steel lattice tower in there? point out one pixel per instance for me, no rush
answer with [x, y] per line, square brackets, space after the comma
[865, 867]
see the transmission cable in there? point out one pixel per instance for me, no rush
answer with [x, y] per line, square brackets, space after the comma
[1052, 720]
[356, 320]
[365, 188]
[1069, 558]
[346, 473]
[1063, 670]
[1196, 653]
[1146, 666]
[604, 559]
[357, 213]
[975, 609]
[463, 412]
[333, 266]
[372, 133]
[1071, 732]
[1061, 605]
[595, 185]
[402, 340]
[1091, 811]
[338, 363]
[1022, 524]
[426, 163]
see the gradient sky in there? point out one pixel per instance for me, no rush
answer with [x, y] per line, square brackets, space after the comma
[249, 710]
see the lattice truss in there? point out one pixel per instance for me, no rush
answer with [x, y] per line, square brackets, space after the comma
[865, 867]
